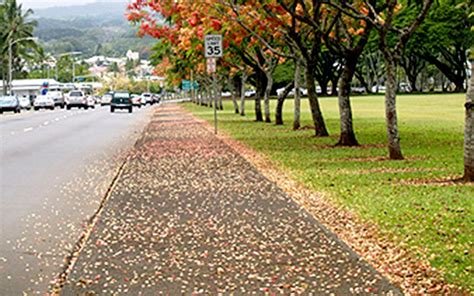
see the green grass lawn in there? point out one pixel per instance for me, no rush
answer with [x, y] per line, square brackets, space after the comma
[433, 220]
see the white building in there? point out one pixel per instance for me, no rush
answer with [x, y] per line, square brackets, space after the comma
[33, 87]
[134, 56]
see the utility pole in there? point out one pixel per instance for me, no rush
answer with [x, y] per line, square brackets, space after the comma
[214, 87]
[10, 61]
[192, 87]
[10, 67]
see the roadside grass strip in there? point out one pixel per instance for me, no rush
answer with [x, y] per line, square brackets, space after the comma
[415, 203]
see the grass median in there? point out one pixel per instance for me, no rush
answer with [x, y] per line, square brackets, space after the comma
[404, 198]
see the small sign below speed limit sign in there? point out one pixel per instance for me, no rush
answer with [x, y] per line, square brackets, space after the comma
[213, 46]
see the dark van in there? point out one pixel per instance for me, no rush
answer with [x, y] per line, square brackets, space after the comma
[121, 100]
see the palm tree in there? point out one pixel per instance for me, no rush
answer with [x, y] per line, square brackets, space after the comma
[3, 38]
[15, 25]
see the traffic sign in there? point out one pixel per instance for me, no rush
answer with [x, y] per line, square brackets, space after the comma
[213, 46]
[211, 65]
[186, 85]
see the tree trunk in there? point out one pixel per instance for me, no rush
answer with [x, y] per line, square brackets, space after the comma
[242, 94]
[394, 149]
[234, 101]
[297, 97]
[324, 87]
[280, 102]
[412, 80]
[317, 116]
[469, 131]
[219, 97]
[209, 97]
[266, 101]
[233, 95]
[334, 88]
[260, 81]
[347, 137]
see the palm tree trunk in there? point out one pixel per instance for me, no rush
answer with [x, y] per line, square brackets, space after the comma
[394, 149]
[469, 131]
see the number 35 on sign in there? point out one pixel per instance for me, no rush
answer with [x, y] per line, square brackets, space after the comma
[213, 46]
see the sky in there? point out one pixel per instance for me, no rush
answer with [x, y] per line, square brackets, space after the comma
[36, 4]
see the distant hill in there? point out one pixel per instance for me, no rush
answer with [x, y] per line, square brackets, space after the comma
[95, 29]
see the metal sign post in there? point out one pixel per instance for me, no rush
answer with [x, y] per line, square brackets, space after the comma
[212, 51]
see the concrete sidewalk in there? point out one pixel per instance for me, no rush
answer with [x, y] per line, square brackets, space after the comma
[189, 215]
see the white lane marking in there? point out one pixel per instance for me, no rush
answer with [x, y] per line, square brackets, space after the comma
[46, 123]
[28, 129]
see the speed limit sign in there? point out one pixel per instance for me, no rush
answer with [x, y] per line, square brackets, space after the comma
[213, 46]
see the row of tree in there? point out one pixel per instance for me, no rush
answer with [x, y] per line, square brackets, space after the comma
[323, 39]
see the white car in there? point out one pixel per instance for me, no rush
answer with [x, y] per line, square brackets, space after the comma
[106, 99]
[250, 92]
[43, 102]
[58, 98]
[303, 91]
[378, 89]
[148, 98]
[25, 103]
[76, 98]
[90, 102]
[226, 94]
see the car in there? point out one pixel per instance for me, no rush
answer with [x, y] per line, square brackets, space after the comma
[121, 100]
[76, 98]
[136, 101]
[143, 100]
[148, 98]
[404, 87]
[250, 93]
[96, 99]
[226, 94]
[156, 98]
[58, 98]
[9, 103]
[43, 102]
[303, 91]
[90, 102]
[358, 90]
[378, 89]
[106, 99]
[25, 103]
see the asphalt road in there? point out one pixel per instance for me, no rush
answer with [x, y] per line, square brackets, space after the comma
[55, 167]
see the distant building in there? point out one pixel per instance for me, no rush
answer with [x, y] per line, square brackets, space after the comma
[134, 56]
[33, 87]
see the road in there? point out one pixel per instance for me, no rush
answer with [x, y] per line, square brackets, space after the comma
[55, 167]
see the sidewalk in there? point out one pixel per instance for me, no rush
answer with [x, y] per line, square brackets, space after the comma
[188, 214]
